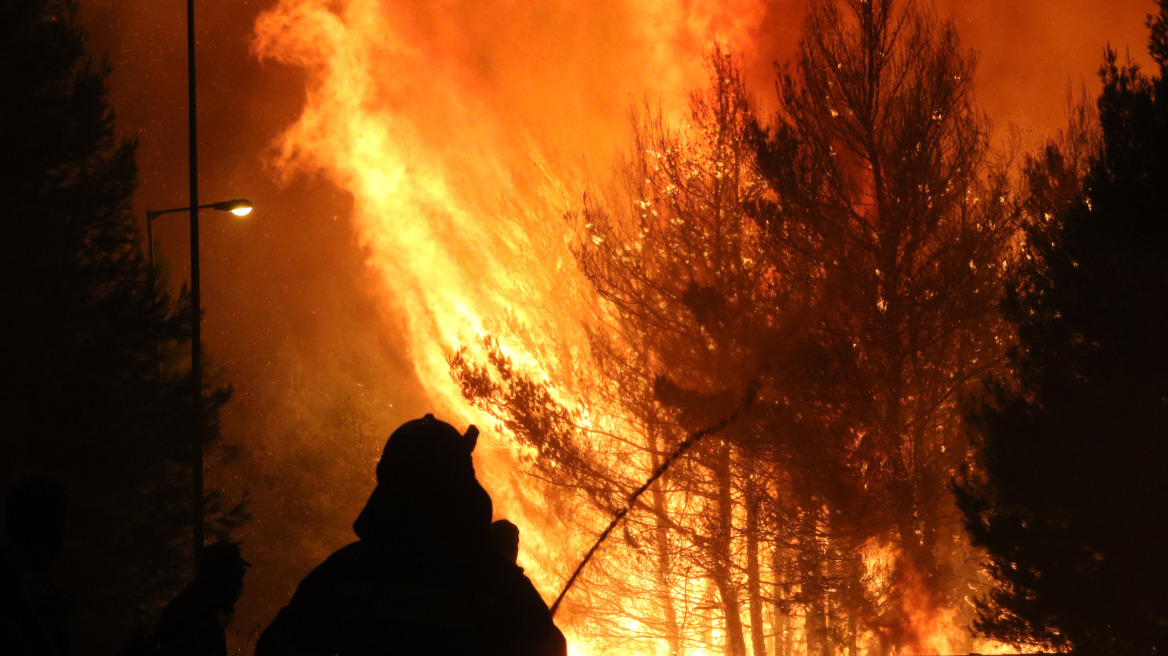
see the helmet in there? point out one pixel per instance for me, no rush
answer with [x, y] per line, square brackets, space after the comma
[221, 558]
[426, 447]
[426, 487]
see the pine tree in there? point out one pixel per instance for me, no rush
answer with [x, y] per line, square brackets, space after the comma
[890, 213]
[1070, 500]
[93, 389]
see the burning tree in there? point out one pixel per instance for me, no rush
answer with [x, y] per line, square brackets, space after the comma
[847, 260]
[885, 199]
[1070, 499]
[676, 258]
[673, 258]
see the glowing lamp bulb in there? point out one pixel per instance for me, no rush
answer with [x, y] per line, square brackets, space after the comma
[238, 207]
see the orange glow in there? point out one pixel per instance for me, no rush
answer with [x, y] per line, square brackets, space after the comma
[463, 134]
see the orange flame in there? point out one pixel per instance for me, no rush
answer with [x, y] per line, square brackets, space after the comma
[462, 133]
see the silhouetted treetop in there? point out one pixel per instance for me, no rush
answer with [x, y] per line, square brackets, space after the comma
[1070, 497]
[93, 388]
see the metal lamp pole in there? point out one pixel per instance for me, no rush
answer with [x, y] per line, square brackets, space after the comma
[239, 207]
[196, 337]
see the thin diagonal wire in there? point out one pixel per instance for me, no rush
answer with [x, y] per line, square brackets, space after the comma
[685, 445]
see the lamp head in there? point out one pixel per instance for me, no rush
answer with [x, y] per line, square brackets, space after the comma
[238, 207]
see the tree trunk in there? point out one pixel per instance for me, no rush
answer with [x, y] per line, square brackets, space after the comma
[753, 584]
[723, 556]
[661, 547]
[781, 645]
[811, 572]
[815, 628]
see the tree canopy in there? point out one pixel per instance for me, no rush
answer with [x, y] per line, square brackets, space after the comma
[1069, 497]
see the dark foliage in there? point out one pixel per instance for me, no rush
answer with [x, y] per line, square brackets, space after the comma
[1071, 501]
[93, 390]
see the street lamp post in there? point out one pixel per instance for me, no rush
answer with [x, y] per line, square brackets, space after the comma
[196, 342]
[238, 207]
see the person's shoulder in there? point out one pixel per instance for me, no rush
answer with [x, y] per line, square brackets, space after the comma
[357, 565]
[356, 550]
[351, 557]
[182, 605]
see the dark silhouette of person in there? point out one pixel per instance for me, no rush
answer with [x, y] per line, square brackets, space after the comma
[190, 624]
[422, 577]
[34, 611]
[505, 539]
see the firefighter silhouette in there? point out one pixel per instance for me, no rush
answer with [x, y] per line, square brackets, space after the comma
[422, 578]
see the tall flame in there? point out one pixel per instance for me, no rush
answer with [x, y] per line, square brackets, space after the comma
[464, 131]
